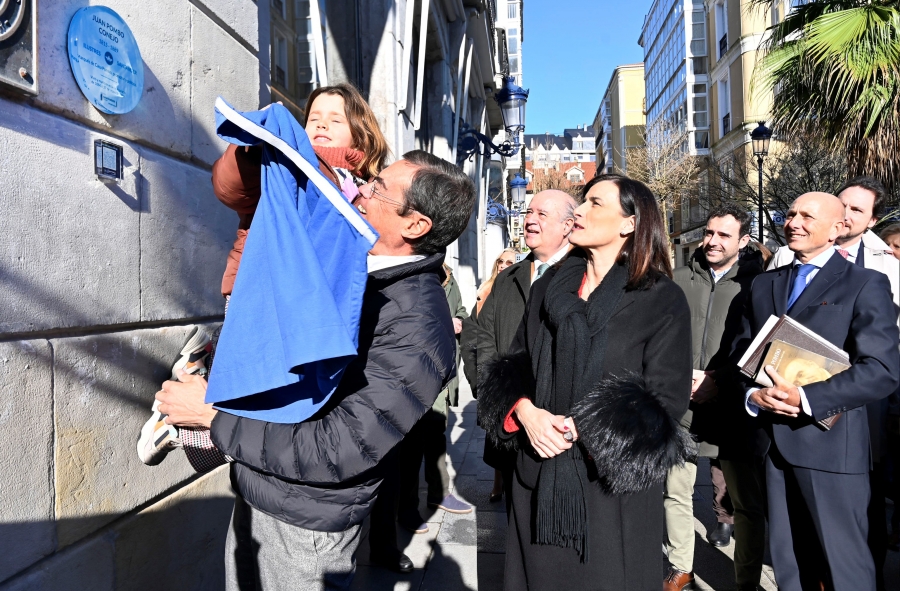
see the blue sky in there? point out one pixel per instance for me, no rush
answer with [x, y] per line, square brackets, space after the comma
[569, 51]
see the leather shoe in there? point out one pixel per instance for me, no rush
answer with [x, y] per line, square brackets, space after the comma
[721, 536]
[678, 580]
[399, 563]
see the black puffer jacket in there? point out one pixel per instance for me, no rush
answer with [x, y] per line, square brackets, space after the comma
[323, 474]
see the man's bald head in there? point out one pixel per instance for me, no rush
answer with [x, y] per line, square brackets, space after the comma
[548, 222]
[813, 223]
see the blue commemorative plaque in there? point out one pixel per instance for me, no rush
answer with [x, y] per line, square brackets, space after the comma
[105, 60]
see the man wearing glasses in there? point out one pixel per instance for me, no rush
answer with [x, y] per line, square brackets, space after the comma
[303, 490]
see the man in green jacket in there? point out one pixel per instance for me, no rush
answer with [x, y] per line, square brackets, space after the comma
[715, 281]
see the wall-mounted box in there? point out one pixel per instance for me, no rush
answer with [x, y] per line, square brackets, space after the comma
[18, 45]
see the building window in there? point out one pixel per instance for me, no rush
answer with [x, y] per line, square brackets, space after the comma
[512, 40]
[278, 5]
[701, 140]
[725, 106]
[512, 10]
[701, 106]
[576, 176]
[722, 26]
[700, 65]
[698, 32]
[281, 61]
[513, 65]
[685, 256]
[685, 212]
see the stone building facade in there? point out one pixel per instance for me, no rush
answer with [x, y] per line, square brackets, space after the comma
[102, 280]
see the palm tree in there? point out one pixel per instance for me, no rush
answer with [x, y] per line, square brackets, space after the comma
[834, 67]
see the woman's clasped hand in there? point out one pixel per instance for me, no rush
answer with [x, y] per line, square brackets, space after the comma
[546, 431]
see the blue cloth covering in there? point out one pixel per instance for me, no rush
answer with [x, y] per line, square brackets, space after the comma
[293, 320]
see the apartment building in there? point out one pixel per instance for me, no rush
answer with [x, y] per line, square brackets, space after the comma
[548, 150]
[510, 20]
[676, 68]
[735, 30]
[619, 123]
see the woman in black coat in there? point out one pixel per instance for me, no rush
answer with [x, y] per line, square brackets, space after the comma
[590, 395]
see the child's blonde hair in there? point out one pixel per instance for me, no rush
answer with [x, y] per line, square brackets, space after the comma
[367, 136]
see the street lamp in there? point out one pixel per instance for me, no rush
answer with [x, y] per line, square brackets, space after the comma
[512, 99]
[760, 138]
[517, 188]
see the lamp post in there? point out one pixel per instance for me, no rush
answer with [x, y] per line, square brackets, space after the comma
[512, 99]
[760, 138]
[517, 189]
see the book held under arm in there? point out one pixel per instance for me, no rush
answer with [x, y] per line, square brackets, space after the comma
[798, 354]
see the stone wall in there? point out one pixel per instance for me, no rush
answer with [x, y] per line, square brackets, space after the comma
[99, 284]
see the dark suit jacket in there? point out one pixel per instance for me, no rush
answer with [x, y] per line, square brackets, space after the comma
[852, 308]
[502, 311]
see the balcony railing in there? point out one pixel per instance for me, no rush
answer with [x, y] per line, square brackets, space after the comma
[726, 123]
[723, 45]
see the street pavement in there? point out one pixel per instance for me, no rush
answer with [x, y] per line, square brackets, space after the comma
[466, 552]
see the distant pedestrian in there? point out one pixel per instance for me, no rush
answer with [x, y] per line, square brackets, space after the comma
[548, 223]
[715, 281]
[590, 396]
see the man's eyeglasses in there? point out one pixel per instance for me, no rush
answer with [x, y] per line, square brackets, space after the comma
[382, 197]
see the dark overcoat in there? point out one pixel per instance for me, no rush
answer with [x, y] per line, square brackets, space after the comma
[649, 334]
[491, 334]
[502, 312]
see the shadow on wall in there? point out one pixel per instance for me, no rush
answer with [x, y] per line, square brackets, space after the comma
[176, 545]
[357, 29]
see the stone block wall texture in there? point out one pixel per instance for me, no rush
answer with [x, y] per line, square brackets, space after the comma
[100, 284]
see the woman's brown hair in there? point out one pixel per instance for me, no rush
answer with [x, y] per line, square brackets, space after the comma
[367, 136]
[646, 250]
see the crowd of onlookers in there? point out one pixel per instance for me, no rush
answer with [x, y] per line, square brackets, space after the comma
[820, 494]
[601, 374]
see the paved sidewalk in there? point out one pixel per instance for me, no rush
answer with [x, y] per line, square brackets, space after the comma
[445, 558]
[466, 552]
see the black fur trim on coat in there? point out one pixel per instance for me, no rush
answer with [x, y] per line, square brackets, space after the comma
[503, 381]
[630, 436]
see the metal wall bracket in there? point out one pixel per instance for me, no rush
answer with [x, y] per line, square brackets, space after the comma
[18, 44]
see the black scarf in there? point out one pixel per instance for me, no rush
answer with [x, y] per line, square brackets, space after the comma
[567, 362]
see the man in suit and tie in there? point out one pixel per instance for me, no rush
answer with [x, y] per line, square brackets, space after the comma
[817, 480]
[864, 199]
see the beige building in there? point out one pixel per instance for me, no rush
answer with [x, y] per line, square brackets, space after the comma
[620, 119]
[735, 31]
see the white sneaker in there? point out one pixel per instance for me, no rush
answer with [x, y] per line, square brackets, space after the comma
[194, 354]
[157, 438]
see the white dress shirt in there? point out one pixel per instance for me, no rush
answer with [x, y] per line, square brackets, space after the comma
[853, 249]
[378, 262]
[551, 261]
[819, 262]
